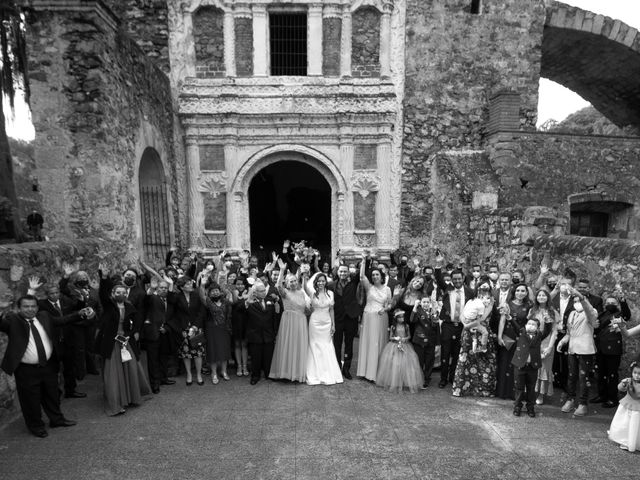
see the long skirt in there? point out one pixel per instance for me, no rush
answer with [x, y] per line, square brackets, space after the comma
[399, 368]
[290, 354]
[373, 339]
[125, 383]
[625, 427]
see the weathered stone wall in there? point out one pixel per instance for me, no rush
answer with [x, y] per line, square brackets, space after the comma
[146, 22]
[455, 61]
[244, 47]
[97, 102]
[365, 42]
[331, 31]
[545, 168]
[208, 24]
[26, 182]
[19, 262]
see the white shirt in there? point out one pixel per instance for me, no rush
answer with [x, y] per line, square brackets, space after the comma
[31, 353]
[564, 301]
[503, 297]
[453, 295]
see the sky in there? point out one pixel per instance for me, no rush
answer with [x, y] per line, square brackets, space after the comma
[555, 101]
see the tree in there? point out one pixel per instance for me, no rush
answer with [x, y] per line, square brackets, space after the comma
[13, 76]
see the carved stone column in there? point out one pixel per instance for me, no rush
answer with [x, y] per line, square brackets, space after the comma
[385, 40]
[196, 206]
[314, 39]
[345, 50]
[260, 40]
[346, 165]
[229, 44]
[385, 215]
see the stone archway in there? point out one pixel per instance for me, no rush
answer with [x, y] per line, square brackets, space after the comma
[238, 221]
[154, 211]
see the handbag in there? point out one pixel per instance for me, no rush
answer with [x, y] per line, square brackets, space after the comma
[125, 355]
[197, 339]
[508, 342]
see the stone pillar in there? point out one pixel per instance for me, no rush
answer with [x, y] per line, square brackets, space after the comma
[260, 40]
[346, 165]
[229, 44]
[385, 40]
[384, 214]
[345, 50]
[196, 206]
[314, 40]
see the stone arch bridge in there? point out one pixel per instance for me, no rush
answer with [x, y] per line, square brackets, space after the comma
[595, 56]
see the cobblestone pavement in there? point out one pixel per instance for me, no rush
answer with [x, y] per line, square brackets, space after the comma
[282, 430]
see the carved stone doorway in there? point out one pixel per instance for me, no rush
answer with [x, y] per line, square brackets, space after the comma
[289, 200]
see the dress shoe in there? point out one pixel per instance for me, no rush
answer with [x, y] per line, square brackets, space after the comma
[609, 404]
[442, 384]
[531, 412]
[155, 389]
[39, 433]
[189, 383]
[254, 381]
[168, 381]
[517, 411]
[347, 374]
[200, 382]
[597, 399]
[75, 394]
[63, 423]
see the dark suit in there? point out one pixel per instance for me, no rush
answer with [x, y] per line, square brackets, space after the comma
[346, 311]
[37, 386]
[63, 339]
[261, 336]
[157, 344]
[609, 352]
[526, 362]
[425, 338]
[450, 334]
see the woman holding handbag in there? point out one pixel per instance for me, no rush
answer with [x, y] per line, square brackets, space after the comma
[125, 381]
[513, 318]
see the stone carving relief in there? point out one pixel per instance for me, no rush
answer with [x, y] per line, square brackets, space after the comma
[364, 240]
[213, 183]
[365, 182]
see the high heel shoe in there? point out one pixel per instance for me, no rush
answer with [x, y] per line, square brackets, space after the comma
[214, 379]
[245, 371]
[239, 370]
[200, 382]
[225, 376]
[189, 383]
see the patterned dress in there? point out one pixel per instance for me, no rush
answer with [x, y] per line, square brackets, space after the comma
[476, 372]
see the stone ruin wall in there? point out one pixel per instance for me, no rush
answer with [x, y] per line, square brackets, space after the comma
[97, 101]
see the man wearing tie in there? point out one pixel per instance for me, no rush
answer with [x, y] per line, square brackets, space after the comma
[451, 328]
[31, 357]
[261, 331]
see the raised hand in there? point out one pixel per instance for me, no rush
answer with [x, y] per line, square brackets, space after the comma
[67, 269]
[154, 283]
[281, 264]
[94, 283]
[34, 283]
[544, 269]
[416, 262]
[274, 256]
[104, 269]
[439, 258]
[286, 244]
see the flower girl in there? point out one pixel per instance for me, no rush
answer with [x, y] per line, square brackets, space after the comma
[625, 426]
[399, 366]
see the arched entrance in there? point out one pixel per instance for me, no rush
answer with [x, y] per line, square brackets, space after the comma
[291, 200]
[154, 212]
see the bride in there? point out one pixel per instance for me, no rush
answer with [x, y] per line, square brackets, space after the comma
[322, 364]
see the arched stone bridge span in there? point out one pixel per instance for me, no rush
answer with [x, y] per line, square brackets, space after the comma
[595, 56]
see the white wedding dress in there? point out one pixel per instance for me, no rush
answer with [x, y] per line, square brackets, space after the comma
[322, 364]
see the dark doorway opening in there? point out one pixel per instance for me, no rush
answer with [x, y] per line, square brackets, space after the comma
[289, 200]
[154, 211]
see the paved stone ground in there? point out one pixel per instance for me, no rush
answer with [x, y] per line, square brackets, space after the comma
[283, 431]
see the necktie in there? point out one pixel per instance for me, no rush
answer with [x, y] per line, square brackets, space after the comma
[263, 306]
[164, 303]
[56, 305]
[42, 356]
[458, 307]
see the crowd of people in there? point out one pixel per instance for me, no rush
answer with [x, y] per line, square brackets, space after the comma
[296, 318]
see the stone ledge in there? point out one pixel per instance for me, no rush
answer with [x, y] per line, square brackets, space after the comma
[92, 6]
[601, 247]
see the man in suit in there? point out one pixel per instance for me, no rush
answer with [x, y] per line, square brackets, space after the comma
[156, 333]
[584, 287]
[503, 293]
[261, 331]
[451, 328]
[392, 280]
[32, 358]
[57, 306]
[346, 312]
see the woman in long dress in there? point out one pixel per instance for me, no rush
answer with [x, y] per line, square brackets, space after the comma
[292, 343]
[375, 322]
[475, 374]
[322, 364]
[545, 313]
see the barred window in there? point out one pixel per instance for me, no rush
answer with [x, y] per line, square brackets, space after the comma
[288, 42]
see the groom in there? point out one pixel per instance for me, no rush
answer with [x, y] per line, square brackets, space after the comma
[346, 310]
[261, 331]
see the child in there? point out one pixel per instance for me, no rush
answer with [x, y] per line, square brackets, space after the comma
[426, 334]
[527, 359]
[472, 315]
[625, 426]
[399, 366]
